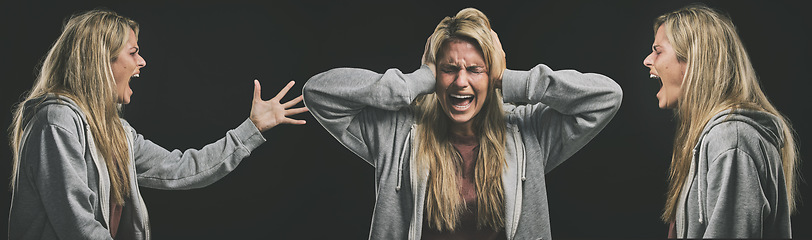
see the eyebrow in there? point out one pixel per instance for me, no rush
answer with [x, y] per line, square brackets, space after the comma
[456, 65]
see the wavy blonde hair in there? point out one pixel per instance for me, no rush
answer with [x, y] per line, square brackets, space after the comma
[78, 66]
[444, 203]
[718, 77]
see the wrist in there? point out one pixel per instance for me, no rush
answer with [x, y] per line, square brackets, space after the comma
[432, 68]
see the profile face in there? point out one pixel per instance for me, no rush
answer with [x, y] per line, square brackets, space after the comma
[665, 67]
[462, 80]
[127, 65]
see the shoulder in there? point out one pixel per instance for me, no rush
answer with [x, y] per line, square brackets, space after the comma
[738, 136]
[60, 116]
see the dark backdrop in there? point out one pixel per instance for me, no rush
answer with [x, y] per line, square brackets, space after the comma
[302, 184]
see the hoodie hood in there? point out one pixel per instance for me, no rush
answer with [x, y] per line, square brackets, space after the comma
[768, 125]
[31, 107]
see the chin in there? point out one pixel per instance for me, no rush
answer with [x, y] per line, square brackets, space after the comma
[457, 118]
[460, 121]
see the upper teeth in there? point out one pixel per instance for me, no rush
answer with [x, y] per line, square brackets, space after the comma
[461, 96]
[654, 76]
[137, 75]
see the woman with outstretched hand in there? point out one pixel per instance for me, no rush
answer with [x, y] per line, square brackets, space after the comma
[78, 166]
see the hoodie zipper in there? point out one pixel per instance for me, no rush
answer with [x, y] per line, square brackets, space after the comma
[144, 216]
[103, 175]
[521, 176]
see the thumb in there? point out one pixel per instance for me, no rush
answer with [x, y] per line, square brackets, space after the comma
[257, 90]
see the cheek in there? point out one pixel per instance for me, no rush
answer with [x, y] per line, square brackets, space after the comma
[442, 82]
[482, 84]
[682, 67]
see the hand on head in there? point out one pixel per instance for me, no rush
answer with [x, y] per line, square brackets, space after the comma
[425, 60]
[498, 45]
[268, 114]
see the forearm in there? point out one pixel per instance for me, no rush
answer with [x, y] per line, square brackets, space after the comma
[344, 91]
[192, 168]
[350, 102]
[567, 91]
[564, 109]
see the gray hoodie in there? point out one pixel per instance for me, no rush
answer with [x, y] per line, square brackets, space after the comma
[735, 187]
[63, 187]
[369, 114]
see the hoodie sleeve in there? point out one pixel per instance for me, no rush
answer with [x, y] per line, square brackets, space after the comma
[565, 109]
[357, 106]
[54, 159]
[160, 168]
[736, 205]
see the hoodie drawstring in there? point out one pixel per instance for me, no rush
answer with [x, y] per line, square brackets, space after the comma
[403, 155]
[517, 138]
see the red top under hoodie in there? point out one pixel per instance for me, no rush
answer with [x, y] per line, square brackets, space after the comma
[468, 147]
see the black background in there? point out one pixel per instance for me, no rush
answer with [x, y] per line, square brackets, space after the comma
[302, 184]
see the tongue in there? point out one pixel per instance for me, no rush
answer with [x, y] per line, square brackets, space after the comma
[460, 101]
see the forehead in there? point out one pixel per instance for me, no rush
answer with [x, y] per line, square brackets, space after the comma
[132, 40]
[660, 38]
[457, 49]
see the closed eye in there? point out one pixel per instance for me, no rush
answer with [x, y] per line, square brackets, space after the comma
[476, 69]
[449, 69]
[656, 49]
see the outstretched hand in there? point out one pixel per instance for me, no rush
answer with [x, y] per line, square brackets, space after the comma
[268, 114]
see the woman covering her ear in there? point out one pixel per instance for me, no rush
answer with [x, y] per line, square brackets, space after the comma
[454, 160]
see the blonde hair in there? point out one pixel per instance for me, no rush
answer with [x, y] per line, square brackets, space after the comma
[444, 203]
[78, 66]
[718, 77]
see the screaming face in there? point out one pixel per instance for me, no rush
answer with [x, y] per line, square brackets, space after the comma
[462, 81]
[667, 69]
[126, 66]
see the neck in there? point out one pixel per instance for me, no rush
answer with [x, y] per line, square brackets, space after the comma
[465, 129]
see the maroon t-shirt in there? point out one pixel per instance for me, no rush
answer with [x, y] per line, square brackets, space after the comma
[672, 232]
[115, 217]
[468, 147]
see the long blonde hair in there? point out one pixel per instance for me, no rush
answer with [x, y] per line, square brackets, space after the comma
[78, 66]
[444, 203]
[718, 77]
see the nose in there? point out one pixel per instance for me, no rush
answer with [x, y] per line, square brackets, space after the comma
[141, 62]
[461, 79]
[648, 61]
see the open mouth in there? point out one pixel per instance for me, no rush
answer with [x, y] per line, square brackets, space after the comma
[134, 76]
[461, 102]
[659, 80]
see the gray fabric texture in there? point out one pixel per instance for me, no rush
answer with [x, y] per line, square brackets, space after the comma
[735, 187]
[370, 114]
[63, 188]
